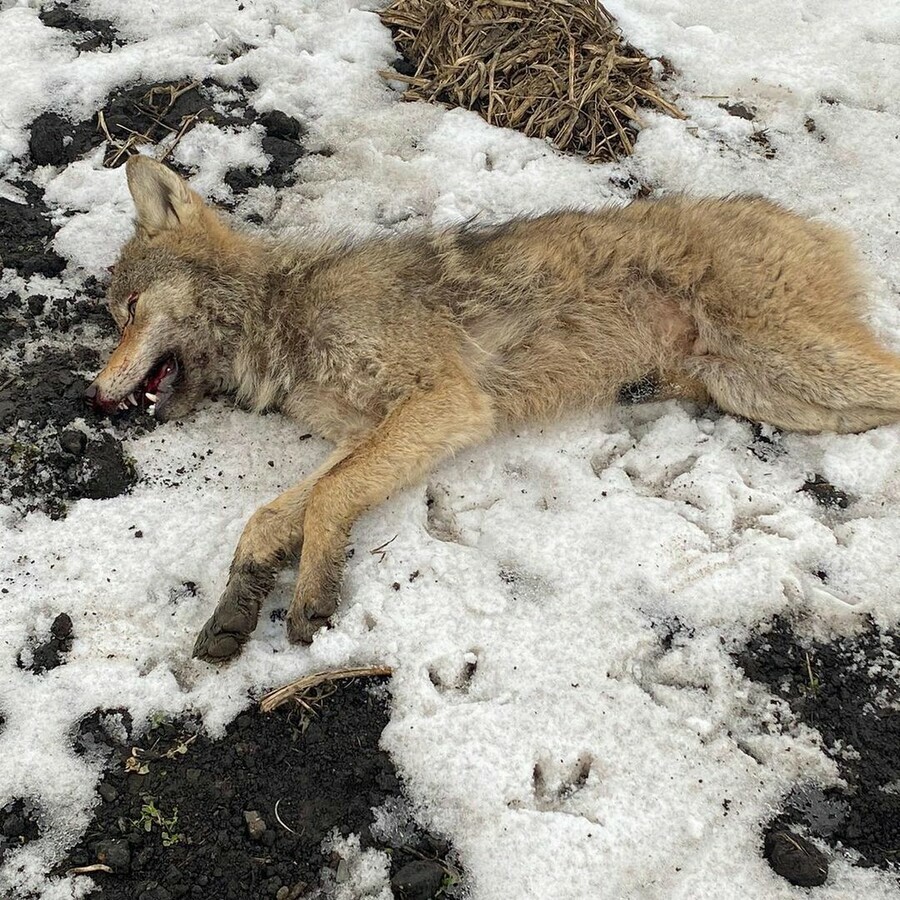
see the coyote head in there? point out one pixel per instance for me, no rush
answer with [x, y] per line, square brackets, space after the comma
[175, 295]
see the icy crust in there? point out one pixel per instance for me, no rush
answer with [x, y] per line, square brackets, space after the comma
[542, 719]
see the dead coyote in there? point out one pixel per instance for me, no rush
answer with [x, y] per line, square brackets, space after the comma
[405, 349]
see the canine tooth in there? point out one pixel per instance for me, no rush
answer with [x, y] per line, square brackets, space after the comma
[151, 397]
[132, 400]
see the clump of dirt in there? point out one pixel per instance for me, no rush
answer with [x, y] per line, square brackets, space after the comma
[825, 493]
[55, 141]
[92, 33]
[26, 233]
[849, 690]
[644, 390]
[795, 858]
[245, 817]
[282, 144]
[19, 824]
[740, 110]
[50, 653]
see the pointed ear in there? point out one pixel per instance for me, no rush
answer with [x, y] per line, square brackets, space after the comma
[163, 198]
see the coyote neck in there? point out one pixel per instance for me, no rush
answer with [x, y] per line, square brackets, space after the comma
[268, 362]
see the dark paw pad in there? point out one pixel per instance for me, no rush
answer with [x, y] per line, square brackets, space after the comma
[305, 618]
[303, 623]
[216, 643]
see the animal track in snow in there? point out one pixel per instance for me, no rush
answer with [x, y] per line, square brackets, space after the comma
[440, 520]
[524, 585]
[553, 788]
[555, 784]
[458, 682]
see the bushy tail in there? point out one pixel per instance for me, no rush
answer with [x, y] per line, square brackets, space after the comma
[830, 384]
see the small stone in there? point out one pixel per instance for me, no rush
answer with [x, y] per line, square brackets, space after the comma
[418, 880]
[116, 854]
[291, 893]
[107, 792]
[73, 441]
[256, 826]
[343, 872]
[796, 859]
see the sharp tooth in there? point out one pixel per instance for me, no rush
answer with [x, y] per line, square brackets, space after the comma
[132, 400]
[151, 397]
[123, 405]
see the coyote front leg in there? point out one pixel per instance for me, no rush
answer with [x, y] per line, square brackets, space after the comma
[273, 534]
[407, 443]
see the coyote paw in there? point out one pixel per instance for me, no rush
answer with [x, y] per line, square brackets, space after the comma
[306, 616]
[225, 633]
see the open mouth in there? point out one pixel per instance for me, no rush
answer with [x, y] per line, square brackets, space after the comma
[155, 391]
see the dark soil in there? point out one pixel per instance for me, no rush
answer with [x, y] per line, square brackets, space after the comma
[159, 110]
[18, 824]
[741, 110]
[55, 141]
[282, 144]
[154, 111]
[645, 390]
[795, 858]
[825, 493]
[761, 139]
[849, 690]
[245, 817]
[25, 235]
[89, 34]
[48, 459]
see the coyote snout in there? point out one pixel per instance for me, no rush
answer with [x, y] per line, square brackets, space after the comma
[405, 349]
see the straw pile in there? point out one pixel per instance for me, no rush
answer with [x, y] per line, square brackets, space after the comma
[555, 69]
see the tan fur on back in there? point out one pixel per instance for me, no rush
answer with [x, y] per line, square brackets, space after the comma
[552, 314]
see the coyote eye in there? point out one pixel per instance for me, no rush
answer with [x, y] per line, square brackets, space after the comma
[132, 304]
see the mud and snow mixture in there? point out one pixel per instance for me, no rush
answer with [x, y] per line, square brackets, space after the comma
[628, 648]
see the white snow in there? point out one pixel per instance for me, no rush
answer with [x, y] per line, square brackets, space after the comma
[579, 761]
